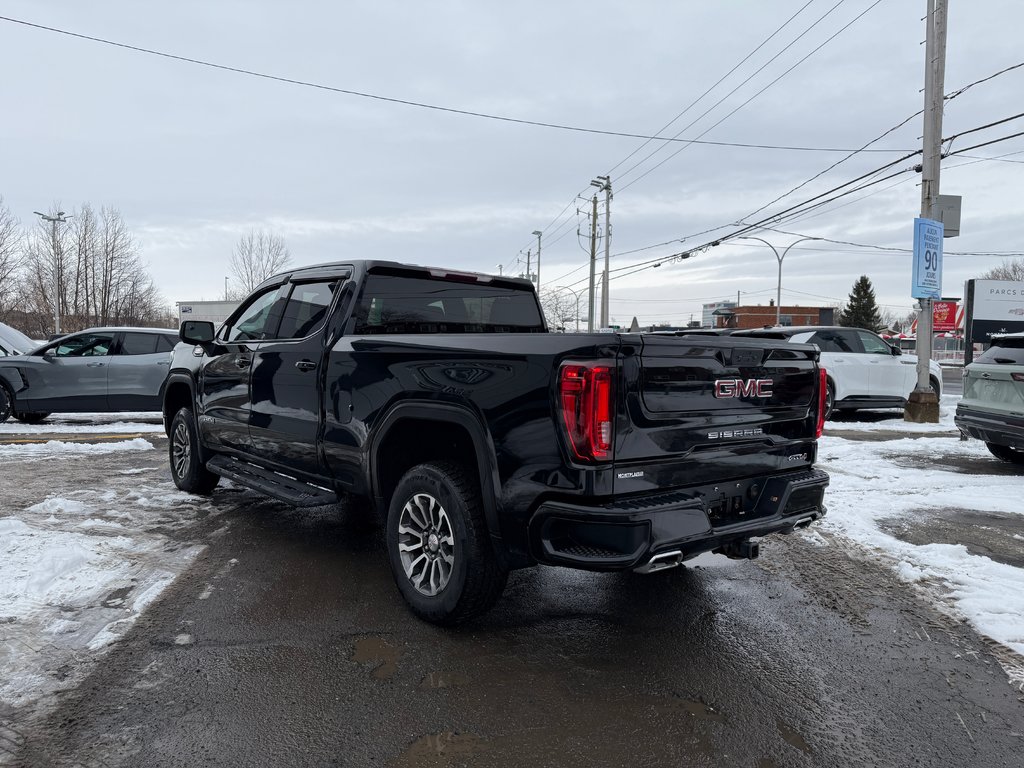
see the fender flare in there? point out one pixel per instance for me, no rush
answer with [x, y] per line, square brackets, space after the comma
[173, 379]
[487, 462]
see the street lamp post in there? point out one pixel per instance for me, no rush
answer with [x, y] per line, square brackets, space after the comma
[576, 294]
[61, 218]
[538, 233]
[778, 287]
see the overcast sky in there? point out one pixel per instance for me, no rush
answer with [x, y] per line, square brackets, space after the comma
[193, 157]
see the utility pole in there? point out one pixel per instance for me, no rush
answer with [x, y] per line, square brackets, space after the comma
[55, 244]
[538, 234]
[528, 275]
[604, 183]
[923, 404]
[593, 263]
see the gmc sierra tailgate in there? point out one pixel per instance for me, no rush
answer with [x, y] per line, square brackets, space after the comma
[706, 409]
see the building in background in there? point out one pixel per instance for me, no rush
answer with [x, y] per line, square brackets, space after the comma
[707, 317]
[214, 311]
[761, 315]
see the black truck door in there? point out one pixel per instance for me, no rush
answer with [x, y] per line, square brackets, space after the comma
[224, 382]
[287, 391]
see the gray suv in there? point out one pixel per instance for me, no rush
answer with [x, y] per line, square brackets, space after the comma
[99, 369]
[992, 408]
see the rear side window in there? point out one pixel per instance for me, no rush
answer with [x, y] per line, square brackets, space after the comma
[832, 341]
[399, 304]
[1003, 352]
[306, 309]
[138, 344]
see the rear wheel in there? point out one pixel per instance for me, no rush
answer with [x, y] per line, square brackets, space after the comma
[32, 417]
[934, 383]
[440, 552]
[1006, 453]
[6, 403]
[187, 468]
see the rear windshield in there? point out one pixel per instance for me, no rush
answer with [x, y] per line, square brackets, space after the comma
[1003, 352]
[399, 304]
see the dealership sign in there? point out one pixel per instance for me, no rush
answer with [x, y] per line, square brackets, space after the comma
[994, 307]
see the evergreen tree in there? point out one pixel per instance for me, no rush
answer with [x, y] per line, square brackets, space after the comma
[861, 310]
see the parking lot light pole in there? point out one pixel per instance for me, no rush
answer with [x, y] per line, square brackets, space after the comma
[60, 217]
[779, 258]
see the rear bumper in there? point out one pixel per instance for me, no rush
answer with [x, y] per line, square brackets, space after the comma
[626, 533]
[1001, 429]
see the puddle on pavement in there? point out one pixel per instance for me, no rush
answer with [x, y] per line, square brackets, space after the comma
[376, 649]
[441, 749]
[791, 736]
[436, 680]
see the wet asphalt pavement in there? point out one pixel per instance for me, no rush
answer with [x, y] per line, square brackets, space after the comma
[287, 644]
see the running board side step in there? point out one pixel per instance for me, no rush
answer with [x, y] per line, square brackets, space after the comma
[270, 483]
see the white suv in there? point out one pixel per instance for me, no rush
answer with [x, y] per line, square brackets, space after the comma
[863, 370]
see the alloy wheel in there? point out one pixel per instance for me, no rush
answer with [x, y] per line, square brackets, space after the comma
[426, 544]
[181, 450]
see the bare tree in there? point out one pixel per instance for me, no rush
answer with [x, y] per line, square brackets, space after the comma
[559, 308]
[103, 280]
[1008, 270]
[257, 256]
[11, 258]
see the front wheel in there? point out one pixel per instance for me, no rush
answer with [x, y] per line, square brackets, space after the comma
[438, 546]
[1006, 453]
[187, 469]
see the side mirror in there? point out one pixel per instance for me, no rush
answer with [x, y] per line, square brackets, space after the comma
[196, 332]
[896, 351]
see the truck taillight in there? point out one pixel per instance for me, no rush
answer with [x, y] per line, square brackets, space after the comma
[822, 389]
[586, 398]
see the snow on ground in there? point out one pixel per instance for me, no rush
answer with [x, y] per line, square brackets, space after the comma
[78, 566]
[87, 423]
[53, 449]
[874, 482]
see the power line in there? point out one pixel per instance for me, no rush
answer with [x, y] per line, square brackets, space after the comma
[407, 102]
[967, 87]
[773, 82]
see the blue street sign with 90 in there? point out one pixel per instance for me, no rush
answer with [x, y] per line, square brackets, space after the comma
[927, 277]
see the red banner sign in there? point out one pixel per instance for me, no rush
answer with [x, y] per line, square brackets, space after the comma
[944, 316]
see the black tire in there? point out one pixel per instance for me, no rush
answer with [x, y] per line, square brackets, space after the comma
[185, 455]
[6, 403]
[1006, 453]
[438, 505]
[31, 417]
[934, 384]
[830, 400]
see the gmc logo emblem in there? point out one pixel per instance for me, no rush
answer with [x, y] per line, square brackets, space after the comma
[743, 388]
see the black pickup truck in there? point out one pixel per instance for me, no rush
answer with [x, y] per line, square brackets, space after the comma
[487, 443]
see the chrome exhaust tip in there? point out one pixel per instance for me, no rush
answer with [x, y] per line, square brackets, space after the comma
[661, 562]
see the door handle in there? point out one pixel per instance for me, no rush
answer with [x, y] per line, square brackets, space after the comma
[94, 365]
[163, 362]
[243, 362]
[305, 365]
